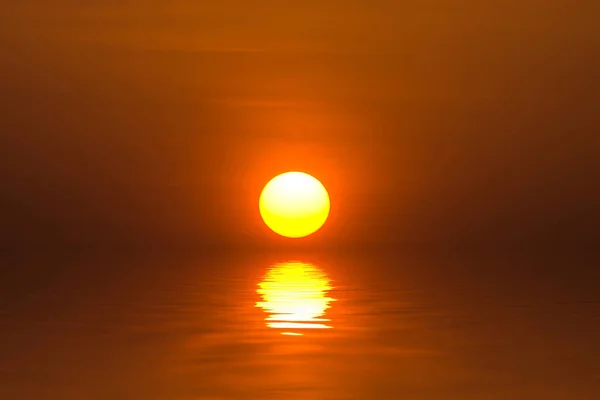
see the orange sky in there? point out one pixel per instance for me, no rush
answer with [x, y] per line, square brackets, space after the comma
[446, 121]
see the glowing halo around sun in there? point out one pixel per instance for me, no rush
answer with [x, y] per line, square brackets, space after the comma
[294, 204]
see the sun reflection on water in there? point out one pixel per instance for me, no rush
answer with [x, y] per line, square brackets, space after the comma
[295, 297]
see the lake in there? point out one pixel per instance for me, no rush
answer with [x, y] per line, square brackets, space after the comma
[308, 326]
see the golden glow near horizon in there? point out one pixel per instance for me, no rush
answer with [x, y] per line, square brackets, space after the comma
[294, 204]
[295, 297]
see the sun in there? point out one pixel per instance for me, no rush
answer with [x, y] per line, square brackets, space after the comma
[294, 204]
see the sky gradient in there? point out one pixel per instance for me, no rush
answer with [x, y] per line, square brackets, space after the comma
[437, 122]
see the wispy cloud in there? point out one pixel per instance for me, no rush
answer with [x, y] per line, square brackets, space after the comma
[257, 102]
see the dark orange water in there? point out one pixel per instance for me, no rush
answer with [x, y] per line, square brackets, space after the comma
[314, 328]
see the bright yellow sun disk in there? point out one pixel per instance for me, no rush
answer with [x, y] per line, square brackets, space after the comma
[294, 204]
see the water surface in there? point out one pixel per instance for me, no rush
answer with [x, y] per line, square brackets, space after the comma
[322, 327]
